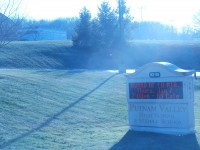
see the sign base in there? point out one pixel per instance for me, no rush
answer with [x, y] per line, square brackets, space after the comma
[169, 131]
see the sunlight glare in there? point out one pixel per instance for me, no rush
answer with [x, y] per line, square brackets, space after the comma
[175, 12]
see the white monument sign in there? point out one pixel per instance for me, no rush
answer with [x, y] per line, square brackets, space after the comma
[161, 99]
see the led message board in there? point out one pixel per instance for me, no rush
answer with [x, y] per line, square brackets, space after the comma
[160, 99]
[156, 90]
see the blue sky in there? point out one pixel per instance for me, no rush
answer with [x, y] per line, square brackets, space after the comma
[175, 12]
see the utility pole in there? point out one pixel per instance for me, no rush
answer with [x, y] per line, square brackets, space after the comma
[141, 12]
[120, 18]
[121, 39]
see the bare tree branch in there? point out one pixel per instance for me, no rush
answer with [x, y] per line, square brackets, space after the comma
[196, 20]
[9, 21]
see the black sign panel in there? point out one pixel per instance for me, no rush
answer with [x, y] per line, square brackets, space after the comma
[156, 90]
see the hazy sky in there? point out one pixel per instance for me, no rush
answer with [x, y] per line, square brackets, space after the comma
[176, 12]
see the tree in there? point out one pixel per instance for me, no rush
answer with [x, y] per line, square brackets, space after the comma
[107, 25]
[124, 20]
[82, 37]
[9, 21]
[196, 27]
[196, 19]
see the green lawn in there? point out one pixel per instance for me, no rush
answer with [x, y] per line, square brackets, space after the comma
[75, 110]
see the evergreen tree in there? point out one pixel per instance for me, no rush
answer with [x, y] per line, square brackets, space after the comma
[124, 21]
[107, 25]
[96, 35]
[82, 37]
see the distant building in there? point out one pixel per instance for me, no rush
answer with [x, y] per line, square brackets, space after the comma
[38, 34]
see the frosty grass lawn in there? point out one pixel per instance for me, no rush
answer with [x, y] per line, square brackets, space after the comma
[44, 109]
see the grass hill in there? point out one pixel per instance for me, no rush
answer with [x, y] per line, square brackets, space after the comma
[184, 54]
[60, 55]
[37, 54]
[75, 110]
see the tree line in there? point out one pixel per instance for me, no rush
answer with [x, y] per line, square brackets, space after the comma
[105, 32]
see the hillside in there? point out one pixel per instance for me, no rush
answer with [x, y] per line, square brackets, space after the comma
[60, 55]
[75, 110]
[184, 54]
[37, 54]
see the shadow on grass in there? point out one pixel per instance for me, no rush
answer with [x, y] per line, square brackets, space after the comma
[54, 116]
[133, 140]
